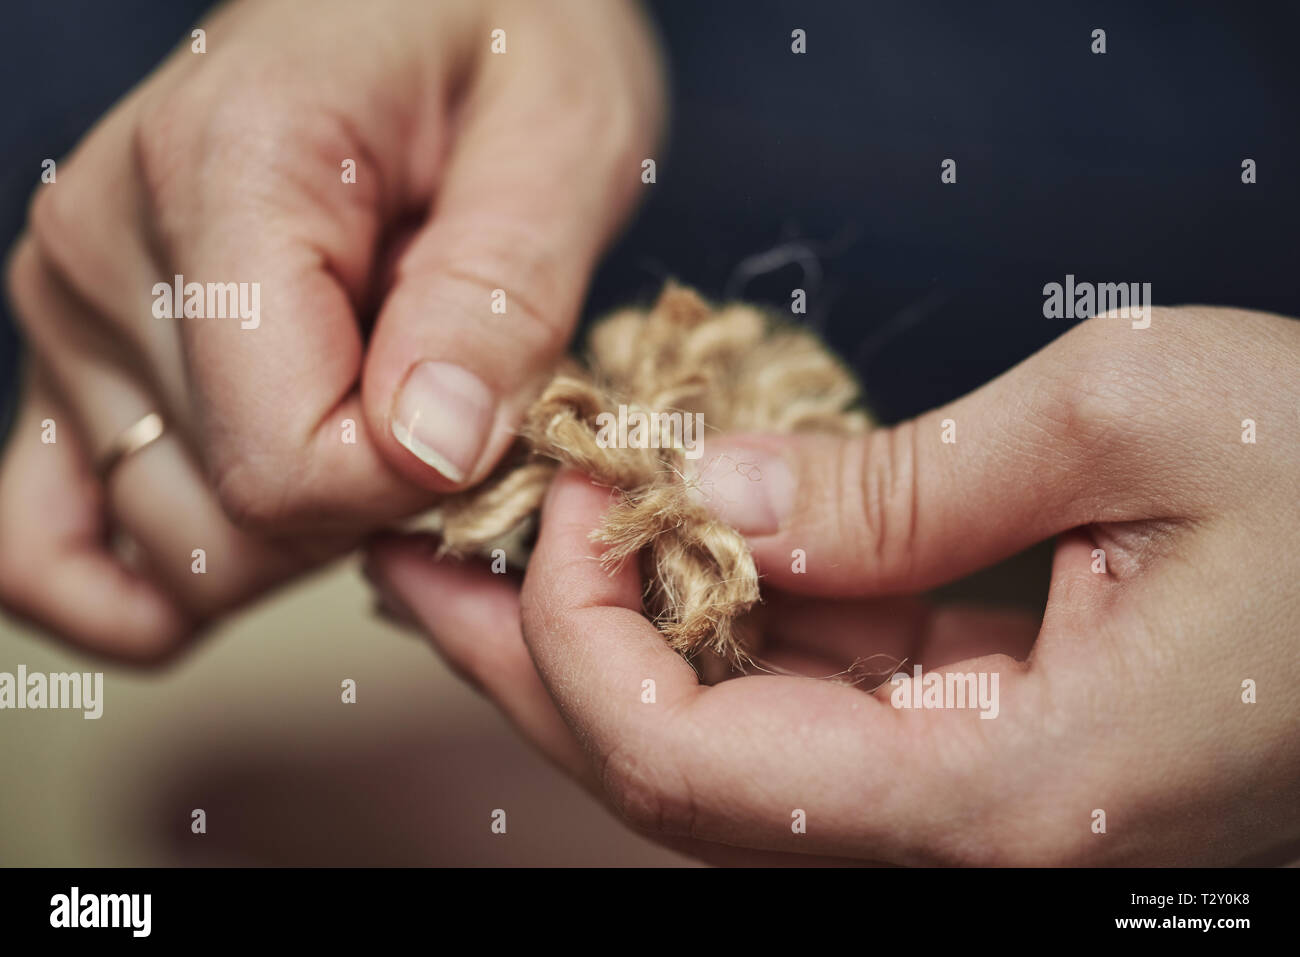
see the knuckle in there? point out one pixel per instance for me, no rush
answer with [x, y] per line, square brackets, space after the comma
[252, 492]
[533, 288]
[156, 147]
[27, 279]
[1099, 382]
[47, 214]
[639, 793]
[1095, 399]
[880, 471]
[1107, 426]
[53, 220]
[183, 139]
[166, 143]
[188, 139]
[489, 256]
[22, 281]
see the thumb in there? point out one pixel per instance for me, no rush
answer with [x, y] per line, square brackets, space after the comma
[1055, 443]
[545, 166]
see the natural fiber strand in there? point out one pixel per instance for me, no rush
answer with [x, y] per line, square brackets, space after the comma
[743, 371]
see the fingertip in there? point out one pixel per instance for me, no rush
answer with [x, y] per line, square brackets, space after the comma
[440, 418]
[566, 564]
[386, 546]
[574, 499]
[443, 391]
[747, 482]
[437, 590]
[118, 614]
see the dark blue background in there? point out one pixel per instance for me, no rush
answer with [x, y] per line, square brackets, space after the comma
[1122, 167]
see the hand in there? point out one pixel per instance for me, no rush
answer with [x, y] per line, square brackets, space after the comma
[1127, 699]
[474, 172]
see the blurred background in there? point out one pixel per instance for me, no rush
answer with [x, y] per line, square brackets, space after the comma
[818, 171]
[250, 728]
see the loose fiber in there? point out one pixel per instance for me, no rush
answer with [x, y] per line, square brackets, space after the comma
[743, 371]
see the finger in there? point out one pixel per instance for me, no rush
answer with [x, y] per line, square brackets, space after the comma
[87, 225]
[608, 669]
[156, 495]
[733, 763]
[281, 245]
[488, 293]
[471, 617]
[957, 633]
[1044, 448]
[871, 639]
[56, 568]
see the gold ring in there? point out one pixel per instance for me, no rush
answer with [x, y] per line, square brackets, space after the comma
[129, 441]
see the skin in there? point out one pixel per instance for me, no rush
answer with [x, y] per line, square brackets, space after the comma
[1126, 697]
[475, 172]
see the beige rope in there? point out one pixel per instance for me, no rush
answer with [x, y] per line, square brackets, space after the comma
[743, 371]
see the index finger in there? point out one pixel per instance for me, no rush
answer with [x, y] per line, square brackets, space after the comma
[584, 627]
[268, 256]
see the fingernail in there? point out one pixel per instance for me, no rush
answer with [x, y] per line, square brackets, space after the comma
[752, 490]
[442, 415]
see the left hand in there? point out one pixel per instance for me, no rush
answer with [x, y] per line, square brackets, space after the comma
[706, 771]
[1137, 700]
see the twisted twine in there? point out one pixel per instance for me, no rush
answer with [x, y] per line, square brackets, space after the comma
[743, 371]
